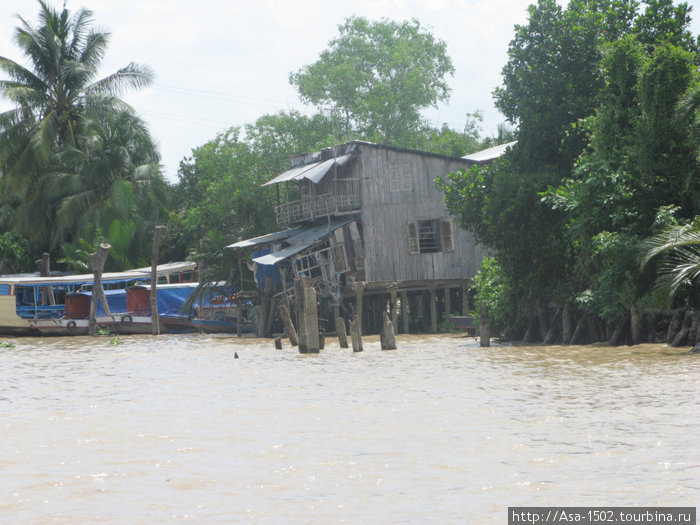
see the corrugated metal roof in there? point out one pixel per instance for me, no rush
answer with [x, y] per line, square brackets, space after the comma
[489, 153]
[313, 172]
[274, 258]
[303, 239]
[264, 239]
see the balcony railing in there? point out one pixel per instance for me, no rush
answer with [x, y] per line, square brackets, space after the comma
[319, 206]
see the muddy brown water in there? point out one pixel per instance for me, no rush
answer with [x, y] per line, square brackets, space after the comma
[173, 429]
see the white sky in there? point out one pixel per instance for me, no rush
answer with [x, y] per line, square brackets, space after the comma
[222, 63]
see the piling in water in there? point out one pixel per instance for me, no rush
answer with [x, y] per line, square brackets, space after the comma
[387, 337]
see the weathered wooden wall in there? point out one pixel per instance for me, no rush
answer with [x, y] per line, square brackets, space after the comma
[398, 187]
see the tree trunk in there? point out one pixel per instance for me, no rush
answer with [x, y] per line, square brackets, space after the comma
[594, 334]
[580, 333]
[693, 333]
[97, 262]
[635, 325]
[567, 323]
[675, 325]
[553, 332]
[620, 330]
[650, 319]
[532, 334]
[543, 318]
[682, 335]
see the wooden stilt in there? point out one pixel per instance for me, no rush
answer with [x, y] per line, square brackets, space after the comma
[310, 318]
[341, 331]
[359, 294]
[278, 343]
[484, 336]
[448, 304]
[394, 293]
[465, 298]
[301, 320]
[404, 312]
[386, 336]
[433, 308]
[288, 325]
[355, 335]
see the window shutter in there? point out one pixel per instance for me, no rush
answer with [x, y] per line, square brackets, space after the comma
[413, 244]
[446, 235]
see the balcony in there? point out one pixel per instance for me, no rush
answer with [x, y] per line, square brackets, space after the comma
[310, 208]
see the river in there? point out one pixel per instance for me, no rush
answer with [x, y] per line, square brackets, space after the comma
[172, 429]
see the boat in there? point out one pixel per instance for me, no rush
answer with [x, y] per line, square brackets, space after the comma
[186, 308]
[59, 304]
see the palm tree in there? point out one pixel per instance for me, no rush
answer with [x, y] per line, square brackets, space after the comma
[52, 100]
[111, 177]
[681, 246]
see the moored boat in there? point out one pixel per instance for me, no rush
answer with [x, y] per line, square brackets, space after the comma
[59, 305]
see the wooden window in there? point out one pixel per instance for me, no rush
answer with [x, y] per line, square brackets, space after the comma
[400, 175]
[413, 245]
[430, 236]
[446, 235]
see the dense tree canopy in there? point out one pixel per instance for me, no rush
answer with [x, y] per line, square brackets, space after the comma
[74, 158]
[603, 149]
[379, 76]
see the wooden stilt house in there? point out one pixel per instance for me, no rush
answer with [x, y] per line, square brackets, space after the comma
[368, 225]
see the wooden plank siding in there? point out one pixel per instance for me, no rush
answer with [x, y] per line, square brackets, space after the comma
[398, 188]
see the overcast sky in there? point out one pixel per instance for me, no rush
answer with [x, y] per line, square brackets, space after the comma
[222, 63]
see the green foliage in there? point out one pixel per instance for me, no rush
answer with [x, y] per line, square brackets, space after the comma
[493, 290]
[75, 158]
[16, 253]
[7, 344]
[220, 198]
[379, 75]
[677, 247]
[605, 99]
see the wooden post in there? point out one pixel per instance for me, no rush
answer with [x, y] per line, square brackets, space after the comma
[278, 343]
[355, 335]
[97, 262]
[239, 316]
[340, 330]
[404, 312]
[432, 290]
[465, 298]
[264, 323]
[310, 318]
[448, 304]
[359, 293]
[301, 321]
[394, 293]
[155, 319]
[288, 325]
[484, 336]
[386, 336]
[47, 296]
